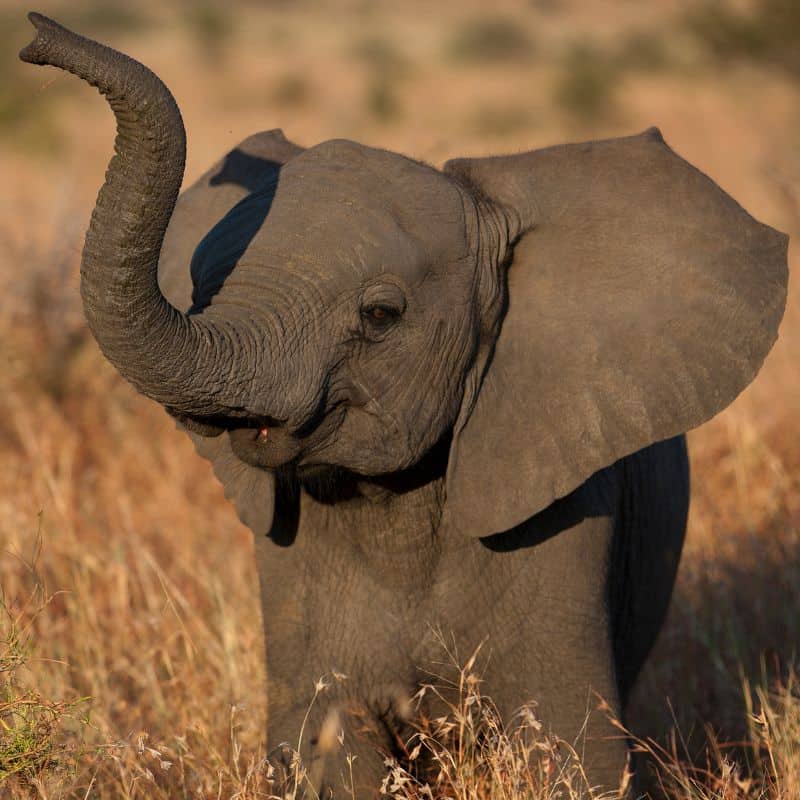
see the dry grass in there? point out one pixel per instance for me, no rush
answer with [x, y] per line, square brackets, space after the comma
[125, 576]
[471, 753]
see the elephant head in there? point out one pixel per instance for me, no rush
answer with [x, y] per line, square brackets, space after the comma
[540, 315]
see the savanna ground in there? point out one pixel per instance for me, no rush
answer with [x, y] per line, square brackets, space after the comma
[132, 657]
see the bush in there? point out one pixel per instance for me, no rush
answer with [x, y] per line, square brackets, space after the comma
[291, 90]
[106, 18]
[487, 40]
[380, 54]
[211, 26]
[381, 100]
[35, 735]
[588, 81]
[770, 34]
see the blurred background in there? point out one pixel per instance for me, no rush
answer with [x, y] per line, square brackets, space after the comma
[124, 574]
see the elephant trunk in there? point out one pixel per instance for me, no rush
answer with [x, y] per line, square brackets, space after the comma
[186, 363]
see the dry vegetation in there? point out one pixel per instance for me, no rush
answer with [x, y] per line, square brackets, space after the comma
[131, 655]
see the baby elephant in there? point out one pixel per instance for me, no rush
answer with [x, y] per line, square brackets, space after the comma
[443, 400]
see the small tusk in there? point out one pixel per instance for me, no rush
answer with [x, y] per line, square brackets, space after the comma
[263, 433]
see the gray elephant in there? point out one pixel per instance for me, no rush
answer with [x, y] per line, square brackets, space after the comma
[441, 399]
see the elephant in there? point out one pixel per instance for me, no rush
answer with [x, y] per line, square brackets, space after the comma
[445, 401]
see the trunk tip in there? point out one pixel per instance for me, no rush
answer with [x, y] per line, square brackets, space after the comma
[36, 51]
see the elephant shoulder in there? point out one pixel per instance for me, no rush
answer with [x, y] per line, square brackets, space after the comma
[241, 171]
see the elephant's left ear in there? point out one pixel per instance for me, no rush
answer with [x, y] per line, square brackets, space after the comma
[641, 300]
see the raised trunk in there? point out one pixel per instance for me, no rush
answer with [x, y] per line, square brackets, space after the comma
[186, 363]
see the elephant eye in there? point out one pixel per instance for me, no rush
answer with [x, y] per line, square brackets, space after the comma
[377, 319]
[380, 314]
[381, 305]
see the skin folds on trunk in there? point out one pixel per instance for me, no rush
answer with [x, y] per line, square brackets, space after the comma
[189, 364]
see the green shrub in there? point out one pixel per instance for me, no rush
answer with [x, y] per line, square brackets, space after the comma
[34, 731]
[485, 40]
[377, 52]
[643, 51]
[108, 17]
[587, 84]
[291, 89]
[211, 25]
[381, 98]
[769, 34]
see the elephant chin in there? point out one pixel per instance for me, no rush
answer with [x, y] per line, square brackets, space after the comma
[268, 448]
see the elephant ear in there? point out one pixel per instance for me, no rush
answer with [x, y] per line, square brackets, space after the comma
[250, 166]
[642, 300]
[254, 163]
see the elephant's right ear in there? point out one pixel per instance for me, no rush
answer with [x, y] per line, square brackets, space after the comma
[252, 164]
[641, 300]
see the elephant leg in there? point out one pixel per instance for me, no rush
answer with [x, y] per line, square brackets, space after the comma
[317, 689]
[339, 755]
[547, 633]
[648, 539]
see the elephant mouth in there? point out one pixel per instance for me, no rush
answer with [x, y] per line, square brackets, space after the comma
[268, 447]
[268, 443]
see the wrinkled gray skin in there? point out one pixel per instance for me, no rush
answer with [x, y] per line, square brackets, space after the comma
[442, 400]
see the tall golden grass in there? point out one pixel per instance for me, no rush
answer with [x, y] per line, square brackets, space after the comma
[131, 663]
